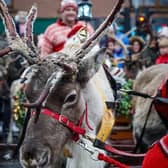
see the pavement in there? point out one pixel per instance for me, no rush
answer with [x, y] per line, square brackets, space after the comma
[5, 152]
[10, 164]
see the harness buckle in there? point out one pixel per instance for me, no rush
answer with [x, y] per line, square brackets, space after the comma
[62, 119]
[94, 156]
[89, 148]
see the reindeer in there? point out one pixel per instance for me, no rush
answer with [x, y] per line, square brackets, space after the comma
[148, 82]
[8, 72]
[65, 85]
[145, 81]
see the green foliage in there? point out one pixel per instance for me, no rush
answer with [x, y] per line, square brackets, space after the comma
[125, 104]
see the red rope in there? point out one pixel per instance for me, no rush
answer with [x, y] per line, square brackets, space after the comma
[109, 148]
[107, 159]
[87, 120]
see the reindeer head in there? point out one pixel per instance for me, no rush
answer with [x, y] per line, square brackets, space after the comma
[54, 84]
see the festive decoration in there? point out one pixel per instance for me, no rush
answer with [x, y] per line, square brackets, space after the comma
[19, 111]
[125, 104]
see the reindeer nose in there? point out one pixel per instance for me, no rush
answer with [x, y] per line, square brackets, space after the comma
[34, 156]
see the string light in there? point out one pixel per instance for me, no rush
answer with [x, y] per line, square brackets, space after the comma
[141, 19]
[19, 111]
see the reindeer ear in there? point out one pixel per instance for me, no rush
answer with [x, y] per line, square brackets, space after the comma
[90, 65]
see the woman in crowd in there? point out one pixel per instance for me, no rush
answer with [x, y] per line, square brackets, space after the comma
[136, 44]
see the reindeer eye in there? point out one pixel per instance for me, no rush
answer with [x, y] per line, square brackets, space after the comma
[71, 97]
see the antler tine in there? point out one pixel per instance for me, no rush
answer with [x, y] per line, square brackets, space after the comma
[14, 40]
[51, 82]
[38, 104]
[68, 68]
[39, 101]
[98, 33]
[5, 51]
[10, 28]
[29, 27]
[8, 21]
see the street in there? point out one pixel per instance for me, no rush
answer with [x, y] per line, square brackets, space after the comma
[9, 164]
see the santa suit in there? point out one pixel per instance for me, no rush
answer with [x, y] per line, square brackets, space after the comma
[157, 156]
[162, 59]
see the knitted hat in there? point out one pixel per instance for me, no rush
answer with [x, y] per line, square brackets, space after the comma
[137, 38]
[68, 3]
[163, 42]
[163, 32]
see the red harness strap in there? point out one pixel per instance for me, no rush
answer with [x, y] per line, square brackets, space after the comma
[64, 120]
[109, 148]
[80, 131]
[101, 145]
[110, 160]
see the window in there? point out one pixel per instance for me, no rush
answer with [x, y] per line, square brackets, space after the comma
[163, 2]
[137, 3]
[152, 3]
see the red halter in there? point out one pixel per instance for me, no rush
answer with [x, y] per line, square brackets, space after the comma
[77, 129]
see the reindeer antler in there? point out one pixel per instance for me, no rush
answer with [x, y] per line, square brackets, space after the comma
[90, 43]
[39, 101]
[5, 51]
[29, 28]
[38, 104]
[10, 28]
[8, 21]
[14, 40]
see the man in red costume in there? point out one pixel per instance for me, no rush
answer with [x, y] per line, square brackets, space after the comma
[57, 34]
[163, 48]
[157, 156]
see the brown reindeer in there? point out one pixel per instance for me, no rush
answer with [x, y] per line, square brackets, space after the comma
[65, 84]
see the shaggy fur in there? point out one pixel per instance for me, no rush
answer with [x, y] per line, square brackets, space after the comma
[148, 82]
[48, 137]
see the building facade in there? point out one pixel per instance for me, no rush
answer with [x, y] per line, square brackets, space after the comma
[156, 10]
[49, 8]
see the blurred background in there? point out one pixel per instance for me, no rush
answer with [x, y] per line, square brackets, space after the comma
[153, 10]
[137, 20]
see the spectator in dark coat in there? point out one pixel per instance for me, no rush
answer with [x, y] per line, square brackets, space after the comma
[150, 54]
